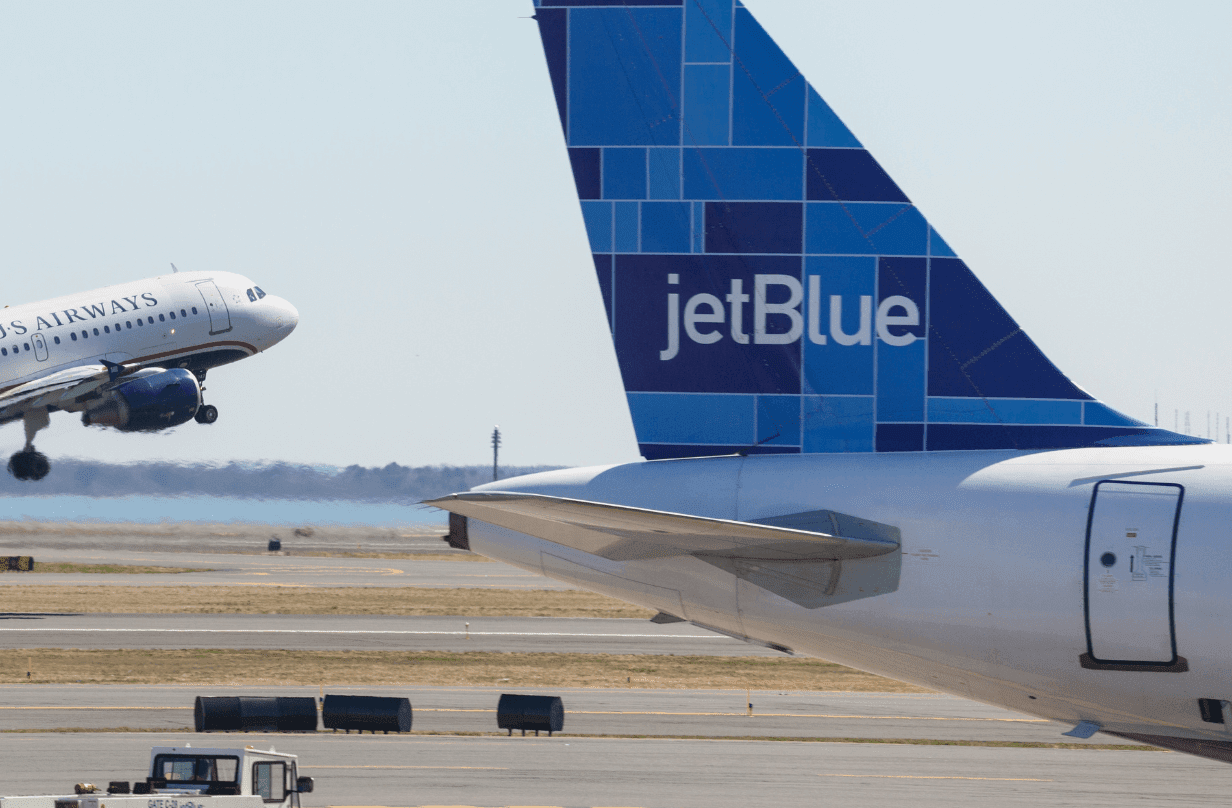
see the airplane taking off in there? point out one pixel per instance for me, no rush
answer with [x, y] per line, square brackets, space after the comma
[132, 356]
[853, 451]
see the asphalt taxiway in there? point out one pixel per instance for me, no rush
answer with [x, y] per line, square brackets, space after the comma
[589, 711]
[417, 770]
[308, 632]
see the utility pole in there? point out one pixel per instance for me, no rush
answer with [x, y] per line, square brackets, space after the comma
[495, 450]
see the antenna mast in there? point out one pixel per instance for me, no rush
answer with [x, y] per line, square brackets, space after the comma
[496, 442]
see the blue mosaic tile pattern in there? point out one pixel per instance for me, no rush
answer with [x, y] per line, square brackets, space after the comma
[769, 287]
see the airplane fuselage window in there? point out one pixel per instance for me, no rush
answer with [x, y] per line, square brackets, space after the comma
[73, 336]
[57, 339]
[4, 351]
[151, 320]
[194, 309]
[185, 314]
[140, 321]
[172, 315]
[162, 319]
[96, 332]
[129, 323]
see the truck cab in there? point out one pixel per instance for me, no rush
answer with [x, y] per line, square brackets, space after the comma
[188, 770]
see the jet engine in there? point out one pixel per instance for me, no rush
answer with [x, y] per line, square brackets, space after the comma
[148, 401]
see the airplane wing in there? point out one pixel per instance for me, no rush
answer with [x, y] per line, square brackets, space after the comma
[56, 389]
[622, 533]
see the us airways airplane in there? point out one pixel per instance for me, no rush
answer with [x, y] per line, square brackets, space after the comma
[132, 357]
[853, 451]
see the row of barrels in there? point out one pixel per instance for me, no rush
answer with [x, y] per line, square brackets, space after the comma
[372, 713]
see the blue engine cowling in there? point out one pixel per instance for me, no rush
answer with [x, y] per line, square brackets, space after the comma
[148, 403]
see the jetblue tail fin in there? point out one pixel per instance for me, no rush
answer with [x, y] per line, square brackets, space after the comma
[768, 286]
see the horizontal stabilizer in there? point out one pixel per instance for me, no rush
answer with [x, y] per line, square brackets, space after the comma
[622, 533]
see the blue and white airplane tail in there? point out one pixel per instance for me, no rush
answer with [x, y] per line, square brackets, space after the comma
[768, 286]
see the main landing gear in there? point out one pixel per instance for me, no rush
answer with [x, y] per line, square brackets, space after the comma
[206, 414]
[29, 464]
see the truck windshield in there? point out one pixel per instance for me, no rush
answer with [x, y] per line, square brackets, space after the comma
[196, 768]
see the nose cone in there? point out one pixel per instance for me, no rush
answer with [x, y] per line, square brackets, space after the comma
[288, 316]
[279, 318]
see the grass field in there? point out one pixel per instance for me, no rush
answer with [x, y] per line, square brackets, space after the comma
[333, 668]
[104, 569]
[116, 599]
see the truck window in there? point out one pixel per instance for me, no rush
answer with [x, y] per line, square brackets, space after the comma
[196, 768]
[269, 780]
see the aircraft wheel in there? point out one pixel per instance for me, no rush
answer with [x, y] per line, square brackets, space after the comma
[207, 414]
[29, 465]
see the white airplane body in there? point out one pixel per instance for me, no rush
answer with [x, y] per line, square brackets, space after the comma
[131, 356]
[985, 598]
[853, 451]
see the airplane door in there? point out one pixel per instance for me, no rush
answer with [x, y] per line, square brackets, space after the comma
[220, 317]
[1131, 536]
[40, 347]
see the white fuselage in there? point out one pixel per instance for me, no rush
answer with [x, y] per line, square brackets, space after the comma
[195, 320]
[990, 584]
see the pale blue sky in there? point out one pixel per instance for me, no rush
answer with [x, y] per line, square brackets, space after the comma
[396, 170]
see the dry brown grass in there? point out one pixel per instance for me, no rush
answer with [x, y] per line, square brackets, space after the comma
[104, 569]
[311, 600]
[333, 668]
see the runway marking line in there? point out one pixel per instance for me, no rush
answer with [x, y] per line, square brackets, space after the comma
[942, 777]
[363, 631]
[464, 768]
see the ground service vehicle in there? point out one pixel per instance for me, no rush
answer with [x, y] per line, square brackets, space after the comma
[188, 777]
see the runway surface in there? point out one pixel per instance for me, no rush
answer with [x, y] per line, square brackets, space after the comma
[753, 766]
[243, 537]
[585, 635]
[232, 569]
[589, 711]
[414, 770]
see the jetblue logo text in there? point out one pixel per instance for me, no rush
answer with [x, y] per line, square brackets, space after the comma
[706, 319]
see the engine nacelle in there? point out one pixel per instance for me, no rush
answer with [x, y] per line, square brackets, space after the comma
[148, 403]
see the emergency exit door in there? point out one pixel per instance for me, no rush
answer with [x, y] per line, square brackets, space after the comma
[1131, 536]
[40, 347]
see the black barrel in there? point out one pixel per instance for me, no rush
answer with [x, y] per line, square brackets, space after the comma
[372, 713]
[530, 712]
[255, 714]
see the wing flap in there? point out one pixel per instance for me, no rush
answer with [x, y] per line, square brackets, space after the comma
[623, 533]
[58, 389]
[52, 389]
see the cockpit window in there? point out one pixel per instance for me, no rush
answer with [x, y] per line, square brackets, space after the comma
[260, 294]
[251, 296]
